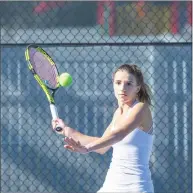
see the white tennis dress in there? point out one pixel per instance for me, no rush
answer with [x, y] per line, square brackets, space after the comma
[129, 168]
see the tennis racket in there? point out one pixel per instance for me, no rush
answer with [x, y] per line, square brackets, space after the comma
[45, 73]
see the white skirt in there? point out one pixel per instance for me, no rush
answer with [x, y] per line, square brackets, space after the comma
[116, 182]
[146, 187]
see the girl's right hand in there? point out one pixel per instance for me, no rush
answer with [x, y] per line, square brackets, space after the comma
[61, 123]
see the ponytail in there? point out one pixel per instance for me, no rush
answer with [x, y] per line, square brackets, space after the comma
[144, 94]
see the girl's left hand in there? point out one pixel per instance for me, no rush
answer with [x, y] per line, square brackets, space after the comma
[74, 146]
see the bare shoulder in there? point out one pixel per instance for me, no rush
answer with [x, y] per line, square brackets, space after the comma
[143, 111]
[141, 107]
[146, 116]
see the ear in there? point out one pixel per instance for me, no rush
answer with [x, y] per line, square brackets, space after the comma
[138, 89]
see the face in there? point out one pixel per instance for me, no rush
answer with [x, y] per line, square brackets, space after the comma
[125, 87]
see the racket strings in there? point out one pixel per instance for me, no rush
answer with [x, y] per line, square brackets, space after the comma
[44, 69]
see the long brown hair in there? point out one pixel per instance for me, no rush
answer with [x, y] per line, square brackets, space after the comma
[144, 92]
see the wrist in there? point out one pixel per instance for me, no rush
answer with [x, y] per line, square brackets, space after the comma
[88, 148]
[63, 132]
[67, 131]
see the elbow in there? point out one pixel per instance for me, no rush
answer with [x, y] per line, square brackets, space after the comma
[103, 150]
[99, 152]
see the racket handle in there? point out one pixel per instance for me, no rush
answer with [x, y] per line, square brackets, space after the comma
[54, 113]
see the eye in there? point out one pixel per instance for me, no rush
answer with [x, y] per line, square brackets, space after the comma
[118, 82]
[128, 83]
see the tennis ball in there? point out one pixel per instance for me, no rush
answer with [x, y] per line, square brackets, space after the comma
[65, 79]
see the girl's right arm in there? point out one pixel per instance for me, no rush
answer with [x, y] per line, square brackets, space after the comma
[83, 139]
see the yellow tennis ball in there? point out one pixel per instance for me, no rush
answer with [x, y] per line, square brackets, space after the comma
[65, 79]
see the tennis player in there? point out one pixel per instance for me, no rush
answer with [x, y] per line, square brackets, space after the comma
[129, 133]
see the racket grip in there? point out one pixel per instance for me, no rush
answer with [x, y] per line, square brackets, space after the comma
[54, 113]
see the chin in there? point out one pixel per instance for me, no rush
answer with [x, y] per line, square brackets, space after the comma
[122, 103]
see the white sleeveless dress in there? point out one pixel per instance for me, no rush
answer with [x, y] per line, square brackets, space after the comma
[129, 168]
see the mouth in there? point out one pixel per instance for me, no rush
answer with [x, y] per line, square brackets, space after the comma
[122, 94]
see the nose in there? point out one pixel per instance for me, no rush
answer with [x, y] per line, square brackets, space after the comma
[122, 87]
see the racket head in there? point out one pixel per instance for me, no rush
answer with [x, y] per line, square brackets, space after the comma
[43, 66]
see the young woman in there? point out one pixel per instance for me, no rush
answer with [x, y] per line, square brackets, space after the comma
[129, 133]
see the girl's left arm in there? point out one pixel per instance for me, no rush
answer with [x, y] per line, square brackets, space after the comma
[123, 127]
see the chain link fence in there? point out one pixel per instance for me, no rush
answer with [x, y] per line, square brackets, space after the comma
[89, 40]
